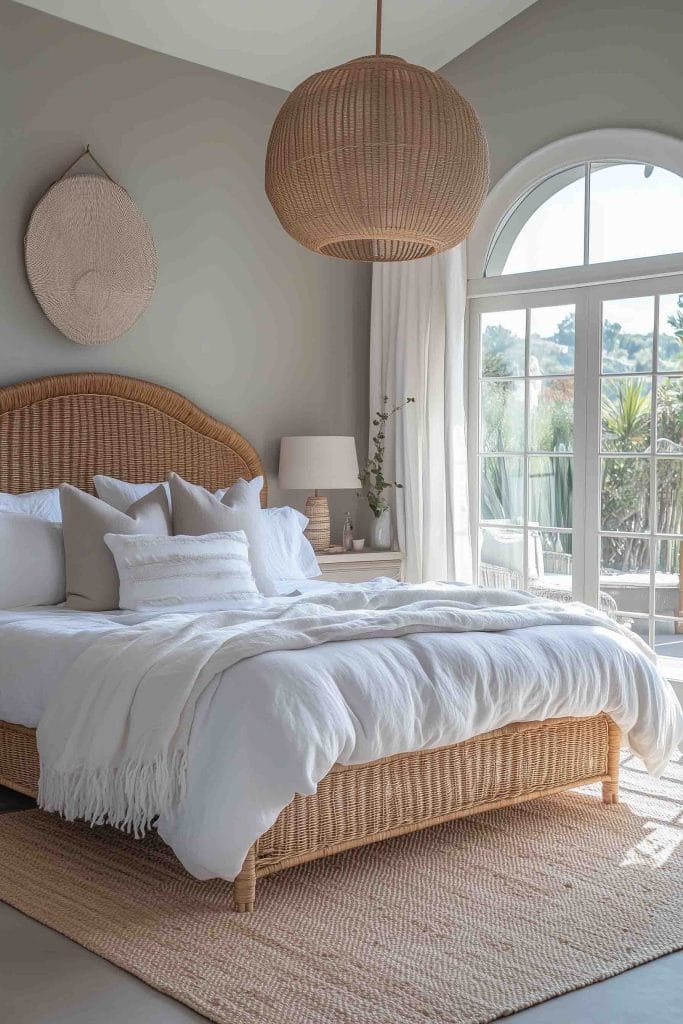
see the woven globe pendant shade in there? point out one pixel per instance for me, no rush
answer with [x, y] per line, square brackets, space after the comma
[377, 160]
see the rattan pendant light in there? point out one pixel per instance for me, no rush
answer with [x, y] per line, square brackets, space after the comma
[377, 160]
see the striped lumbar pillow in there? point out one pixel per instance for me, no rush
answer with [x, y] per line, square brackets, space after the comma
[172, 573]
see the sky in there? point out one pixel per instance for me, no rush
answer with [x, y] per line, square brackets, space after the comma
[630, 216]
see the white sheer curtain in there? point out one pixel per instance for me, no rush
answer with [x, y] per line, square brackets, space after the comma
[417, 348]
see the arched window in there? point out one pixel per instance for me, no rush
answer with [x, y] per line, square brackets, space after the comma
[576, 379]
[591, 213]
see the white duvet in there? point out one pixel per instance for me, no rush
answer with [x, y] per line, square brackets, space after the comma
[274, 723]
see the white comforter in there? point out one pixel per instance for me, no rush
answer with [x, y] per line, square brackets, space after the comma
[274, 723]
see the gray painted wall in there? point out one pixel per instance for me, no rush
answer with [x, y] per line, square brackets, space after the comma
[255, 329]
[563, 67]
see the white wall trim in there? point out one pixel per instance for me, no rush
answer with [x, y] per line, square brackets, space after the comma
[605, 143]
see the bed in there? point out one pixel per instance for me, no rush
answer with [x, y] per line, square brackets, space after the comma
[70, 427]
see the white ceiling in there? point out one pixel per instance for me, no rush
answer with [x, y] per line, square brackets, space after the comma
[280, 42]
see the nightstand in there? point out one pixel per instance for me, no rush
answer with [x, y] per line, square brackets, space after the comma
[359, 566]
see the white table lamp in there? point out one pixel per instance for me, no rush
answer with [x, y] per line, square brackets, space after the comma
[318, 463]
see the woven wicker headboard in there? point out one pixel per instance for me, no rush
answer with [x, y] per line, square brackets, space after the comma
[69, 427]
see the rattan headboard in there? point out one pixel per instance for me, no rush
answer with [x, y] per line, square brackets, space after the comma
[69, 427]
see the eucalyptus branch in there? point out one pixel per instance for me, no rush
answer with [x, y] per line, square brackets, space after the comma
[372, 476]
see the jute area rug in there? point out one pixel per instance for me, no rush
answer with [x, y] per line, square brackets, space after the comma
[459, 924]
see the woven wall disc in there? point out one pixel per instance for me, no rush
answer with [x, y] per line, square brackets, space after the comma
[90, 258]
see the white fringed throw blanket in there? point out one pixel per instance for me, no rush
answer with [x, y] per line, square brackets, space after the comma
[113, 741]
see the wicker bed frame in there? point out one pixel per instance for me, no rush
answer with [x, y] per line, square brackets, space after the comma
[68, 428]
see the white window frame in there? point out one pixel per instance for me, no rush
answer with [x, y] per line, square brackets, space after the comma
[604, 144]
[587, 299]
[527, 300]
[585, 286]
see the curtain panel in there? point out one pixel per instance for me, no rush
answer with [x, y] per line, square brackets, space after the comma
[417, 348]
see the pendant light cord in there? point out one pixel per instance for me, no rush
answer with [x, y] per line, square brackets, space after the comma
[378, 29]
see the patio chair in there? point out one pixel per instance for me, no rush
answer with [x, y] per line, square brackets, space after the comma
[502, 551]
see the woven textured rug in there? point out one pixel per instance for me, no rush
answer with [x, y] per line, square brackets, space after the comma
[458, 924]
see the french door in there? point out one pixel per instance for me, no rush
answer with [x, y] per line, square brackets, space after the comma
[576, 448]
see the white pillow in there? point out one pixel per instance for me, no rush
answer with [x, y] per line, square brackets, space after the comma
[31, 562]
[289, 554]
[44, 504]
[121, 494]
[193, 573]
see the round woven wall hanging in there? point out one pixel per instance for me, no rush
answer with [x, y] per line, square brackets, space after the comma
[90, 258]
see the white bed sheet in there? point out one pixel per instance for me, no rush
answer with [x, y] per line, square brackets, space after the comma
[351, 702]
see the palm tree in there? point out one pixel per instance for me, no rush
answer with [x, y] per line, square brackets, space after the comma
[626, 415]
[626, 406]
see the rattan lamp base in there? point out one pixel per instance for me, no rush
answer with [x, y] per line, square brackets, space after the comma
[317, 511]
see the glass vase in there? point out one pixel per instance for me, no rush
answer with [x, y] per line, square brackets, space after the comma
[381, 531]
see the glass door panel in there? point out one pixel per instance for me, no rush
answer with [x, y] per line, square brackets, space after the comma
[503, 343]
[625, 495]
[551, 414]
[625, 580]
[552, 340]
[627, 326]
[626, 414]
[668, 598]
[526, 447]
[501, 557]
[502, 415]
[577, 455]
[640, 451]
[670, 333]
[557, 548]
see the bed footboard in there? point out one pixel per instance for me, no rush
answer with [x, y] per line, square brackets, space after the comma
[360, 804]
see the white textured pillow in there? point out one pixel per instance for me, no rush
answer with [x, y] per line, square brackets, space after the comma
[196, 511]
[44, 504]
[289, 554]
[207, 572]
[121, 494]
[31, 561]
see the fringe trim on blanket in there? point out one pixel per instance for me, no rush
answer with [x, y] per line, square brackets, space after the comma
[128, 797]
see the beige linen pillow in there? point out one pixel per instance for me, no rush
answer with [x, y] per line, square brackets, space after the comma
[196, 511]
[92, 582]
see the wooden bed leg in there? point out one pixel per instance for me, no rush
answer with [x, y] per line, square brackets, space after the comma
[244, 886]
[610, 787]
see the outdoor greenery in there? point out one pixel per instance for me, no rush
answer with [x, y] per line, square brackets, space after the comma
[626, 428]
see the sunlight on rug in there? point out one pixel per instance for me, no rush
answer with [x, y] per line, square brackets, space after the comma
[661, 801]
[459, 924]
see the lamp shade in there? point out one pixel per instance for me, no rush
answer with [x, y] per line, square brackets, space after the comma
[318, 463]
[377, 160]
